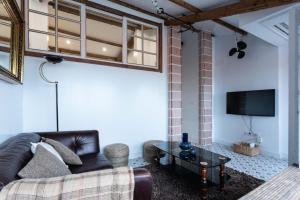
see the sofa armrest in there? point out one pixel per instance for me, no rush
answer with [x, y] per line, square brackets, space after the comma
[143, 184]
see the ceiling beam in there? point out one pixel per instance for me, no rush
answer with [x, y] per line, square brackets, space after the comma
[194, 9]
[5, 18]
[232, 9]
[5, 40]
[122, 3]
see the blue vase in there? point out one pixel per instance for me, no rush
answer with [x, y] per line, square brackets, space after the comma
[185, 144]
[185, 137]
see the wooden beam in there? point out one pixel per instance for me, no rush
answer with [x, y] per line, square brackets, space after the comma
[232, 9]
[104, 41]
[186, 5]
[194, 9]
[4, 39]
[5, 18]
[122, 3]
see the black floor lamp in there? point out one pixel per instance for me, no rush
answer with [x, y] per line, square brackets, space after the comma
[53, 60]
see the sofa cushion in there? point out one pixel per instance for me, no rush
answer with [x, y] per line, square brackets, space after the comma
[15, 153]
[44, 165]
[48, 147]
[91, 162]
[68, 156]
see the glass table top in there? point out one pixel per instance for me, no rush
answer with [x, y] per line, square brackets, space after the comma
[201, 155]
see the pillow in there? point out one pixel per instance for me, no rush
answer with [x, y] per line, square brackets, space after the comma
[44, 165]
[67, 155]
[48, 147]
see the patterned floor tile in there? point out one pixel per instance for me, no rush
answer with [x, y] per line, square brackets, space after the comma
[261, 166]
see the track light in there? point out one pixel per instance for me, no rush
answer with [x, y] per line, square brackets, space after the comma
[240, 46]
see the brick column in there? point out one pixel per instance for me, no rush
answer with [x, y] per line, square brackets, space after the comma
[175, 91]
[205, 88]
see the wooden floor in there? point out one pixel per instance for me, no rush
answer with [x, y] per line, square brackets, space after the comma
[285, 186]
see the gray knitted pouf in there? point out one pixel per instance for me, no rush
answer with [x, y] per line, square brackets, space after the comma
[117, 154]
[151, 152]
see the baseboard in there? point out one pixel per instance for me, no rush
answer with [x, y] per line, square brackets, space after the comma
[262, 150]
[135, 154]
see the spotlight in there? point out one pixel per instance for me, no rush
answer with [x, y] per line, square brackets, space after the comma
[240, 46]
[241, 54]
[232, 51]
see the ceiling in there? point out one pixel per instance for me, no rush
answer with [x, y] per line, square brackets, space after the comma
[176, 10]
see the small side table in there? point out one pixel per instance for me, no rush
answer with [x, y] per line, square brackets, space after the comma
[151, 153]
[117, 154]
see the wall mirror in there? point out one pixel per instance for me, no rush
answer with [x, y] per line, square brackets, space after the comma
[11, 41]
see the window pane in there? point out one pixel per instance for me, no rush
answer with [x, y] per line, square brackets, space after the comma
[134, 57]
[104, 37]
[41, 41]
[150, 46]
[102, 51]
[47, 7]
[134, 43]
[134, 29]
[68, 46]
[68, 28]
[5, 36]
[149, 59]
[5, 31]
[68, 10]
[41, 22]
[150, 33]
[5, 60]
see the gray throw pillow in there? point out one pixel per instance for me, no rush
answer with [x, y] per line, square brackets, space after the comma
[44, 165]
[67, 154]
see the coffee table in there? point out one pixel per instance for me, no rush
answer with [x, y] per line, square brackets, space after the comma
[203, 161]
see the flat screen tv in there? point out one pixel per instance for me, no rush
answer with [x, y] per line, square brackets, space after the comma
[251, 103]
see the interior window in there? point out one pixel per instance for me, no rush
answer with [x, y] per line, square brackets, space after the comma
[5, 27]
[49, 30]
[142, 44]
[5, 36]
[56, 26]
[104, 36]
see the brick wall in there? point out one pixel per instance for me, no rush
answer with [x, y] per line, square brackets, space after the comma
[205, 88]
[175, 91]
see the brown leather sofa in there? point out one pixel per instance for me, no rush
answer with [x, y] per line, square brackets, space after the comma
[15, 154]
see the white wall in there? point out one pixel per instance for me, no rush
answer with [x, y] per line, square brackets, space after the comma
[258, 70]
[283, 99]
[190, 85]
[10, 110]
[128, 106]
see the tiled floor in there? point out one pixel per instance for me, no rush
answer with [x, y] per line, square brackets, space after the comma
[262, 167]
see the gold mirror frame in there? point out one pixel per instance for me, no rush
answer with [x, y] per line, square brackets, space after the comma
[15, 74]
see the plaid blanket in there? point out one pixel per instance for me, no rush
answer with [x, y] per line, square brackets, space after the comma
[284, 186]
[111, 184]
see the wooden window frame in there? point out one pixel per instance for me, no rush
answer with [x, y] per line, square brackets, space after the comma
[56, 32]
[143, 52]
[88, 5]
